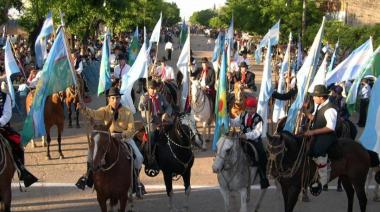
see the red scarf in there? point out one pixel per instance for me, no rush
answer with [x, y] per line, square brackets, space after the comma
[163, 72]
[156, 104]
[249, 120]
[204, 73]
[243, 77]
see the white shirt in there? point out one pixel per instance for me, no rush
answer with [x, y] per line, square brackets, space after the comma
[168, 75]
[254, 133]
[234, 67]
[7, 111]
[365, 92]
[330, 115]
[169, 45]
[80, 67]
[34, 81]
[119, 73]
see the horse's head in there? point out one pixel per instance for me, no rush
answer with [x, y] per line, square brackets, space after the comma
[195, 137]
[100, 144]
[226, 154]
[238, 93]
[282, 149]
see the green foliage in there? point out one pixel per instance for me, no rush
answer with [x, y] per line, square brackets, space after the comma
[5, 5]
[216, 22]
[203, 17]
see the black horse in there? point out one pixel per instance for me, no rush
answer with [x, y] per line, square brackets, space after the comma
[172, 153]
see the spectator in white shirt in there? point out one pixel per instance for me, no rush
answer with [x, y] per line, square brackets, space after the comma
[364, 94]
[121, 69]
[169, 49]
[164, 71]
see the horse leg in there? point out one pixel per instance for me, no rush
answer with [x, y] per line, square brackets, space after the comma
[60, 128]
[33, 144]
[169, 188]
[349, 192]
[226, 196]
[77, 117]
[123, 202]
[186, 182]
[360, 193]
[243, 199]
[102, 203]
[48, 139]
[43, 142]
[69, 111]
[6, 199]
[204, 145]
[292, 197]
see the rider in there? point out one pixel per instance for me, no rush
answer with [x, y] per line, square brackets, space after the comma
[322, 130]
[164, 71]
[206, 76]
[251, 124]
[245, 77]
[122, 128]
[78, 66]
[13, 137]
[121, 69]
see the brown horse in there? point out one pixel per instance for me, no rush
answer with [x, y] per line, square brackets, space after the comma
[112, 167]
[291, 166]
[238, 99]
[71, 96]
[53, 115]
[7, 170]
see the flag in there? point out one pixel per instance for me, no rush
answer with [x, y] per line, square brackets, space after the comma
[183, 34]
[222, 122]
[299, 54]
[56, 75]
[11, 67]
[273, 35]
[3, 36]
[229, 40]
[105, 67]
[138, 70]
[218, 46]
[279, 106]
[303, 78]
[134, 47]
[371, 68]
[41, 41]
[349, 68]
[265, 89]
[155, 37]
[183, 66]
[371, 134]
[333, 57]
[320, 76]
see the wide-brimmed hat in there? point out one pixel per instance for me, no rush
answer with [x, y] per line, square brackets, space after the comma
[320, 90]
[243, 64]
[113, 91]
[204, 60]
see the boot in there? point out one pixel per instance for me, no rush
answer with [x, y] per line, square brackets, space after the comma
[27, 177]
[24, 175]
[264, 182]
[85, 179]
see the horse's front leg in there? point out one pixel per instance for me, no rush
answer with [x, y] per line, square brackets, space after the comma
[123, 202]
[169, 188]
[77, 116]
[60, 129]
[205, 136]
[102, 203]
[186, 180]
[69, 111]
[6, 198]
[48, 140]
[226, 196]
[243, 199]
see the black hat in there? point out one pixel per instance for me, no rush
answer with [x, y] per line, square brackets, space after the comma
[162, 60]
[243, 64]
[244, 51]
[320, 90]
[152, 84]
[113, 91]
[204, 60]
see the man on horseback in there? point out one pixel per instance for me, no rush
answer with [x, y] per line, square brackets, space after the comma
[245, 77]
[120, 70]
[322, 131]
[164, 71]
[206, 76]
[251, 125]
[122, 128]
[14, 139]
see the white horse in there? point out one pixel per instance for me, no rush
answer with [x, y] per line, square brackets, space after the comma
[234, 172]
[202, 109]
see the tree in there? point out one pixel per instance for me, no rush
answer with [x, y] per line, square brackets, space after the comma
[170, 14]
[202, 17]
[5, 5]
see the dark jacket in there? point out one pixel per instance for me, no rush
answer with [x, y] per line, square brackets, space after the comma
[210, 77]
[249, 79]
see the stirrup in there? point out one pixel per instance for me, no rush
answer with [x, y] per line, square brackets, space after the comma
[316, 188]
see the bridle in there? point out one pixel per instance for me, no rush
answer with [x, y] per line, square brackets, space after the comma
[103, 160]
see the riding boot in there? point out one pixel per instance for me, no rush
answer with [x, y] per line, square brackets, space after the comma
[262, 166]
[24, 174]
[264, 182]
[86, 179]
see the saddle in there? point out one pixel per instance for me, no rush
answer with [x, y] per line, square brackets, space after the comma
[10, 134]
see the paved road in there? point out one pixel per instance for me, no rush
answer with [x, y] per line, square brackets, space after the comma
[57, 177]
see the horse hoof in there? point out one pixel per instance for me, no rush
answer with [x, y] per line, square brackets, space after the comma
[61, 157]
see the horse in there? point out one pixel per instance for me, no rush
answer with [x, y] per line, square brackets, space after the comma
[71, 96]
[291, 166]
[169, 90]
[237, 100]
[173, 153]
[7, 170]
[111, 161]
[53, 115]
[234, 171]
[202, 109]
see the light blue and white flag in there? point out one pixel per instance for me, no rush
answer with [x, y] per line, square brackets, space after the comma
[279, 106]
[138, 70]
[303, 78]
[40, 47]
[218, 47]
[3, 38]
[371, 134]
[183, 66]
[333, 57]
[265, 89]
[349, 68]
[230, 33]
[320, 76]
[155, 37]
[11, 67]
[273, 35]
[105, 67]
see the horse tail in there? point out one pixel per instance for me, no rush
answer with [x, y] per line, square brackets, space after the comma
[374, 158]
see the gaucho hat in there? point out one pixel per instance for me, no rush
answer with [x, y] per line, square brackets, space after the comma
[320, 90]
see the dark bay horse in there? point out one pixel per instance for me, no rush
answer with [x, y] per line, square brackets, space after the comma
[71, 96]
[291, 166]
[53, 115]
[112, 167]
[236, 103]
[7, 170]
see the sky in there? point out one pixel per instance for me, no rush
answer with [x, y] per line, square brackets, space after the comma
[187, 7]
